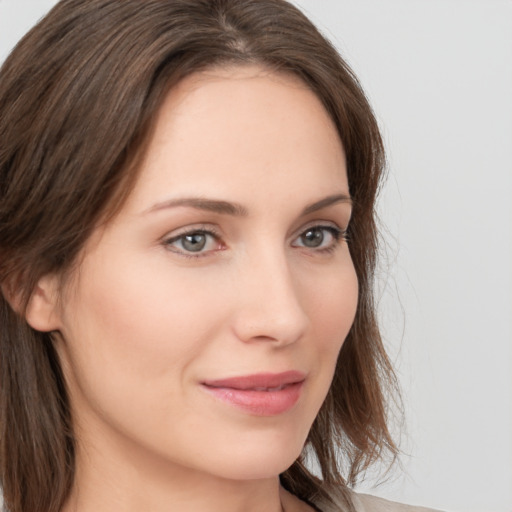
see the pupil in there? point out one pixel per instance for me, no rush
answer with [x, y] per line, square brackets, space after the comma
[194, 243]
[313, 238]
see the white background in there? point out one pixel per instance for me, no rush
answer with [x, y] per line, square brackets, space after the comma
[439, 75]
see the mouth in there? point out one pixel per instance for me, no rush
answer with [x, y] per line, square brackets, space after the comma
[264, 394]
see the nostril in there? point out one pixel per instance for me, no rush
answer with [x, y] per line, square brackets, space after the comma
[268, 306]
[278, 325]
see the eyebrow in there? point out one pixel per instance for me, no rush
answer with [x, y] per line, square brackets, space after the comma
[201, 203]
[237, 210]
[327, 201]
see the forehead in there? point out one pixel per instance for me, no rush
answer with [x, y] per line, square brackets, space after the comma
[237, 127]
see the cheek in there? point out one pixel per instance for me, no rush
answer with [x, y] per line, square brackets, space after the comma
[144, 321]
[331, 301]
[333, 306]
[132, 333]
[132, 342]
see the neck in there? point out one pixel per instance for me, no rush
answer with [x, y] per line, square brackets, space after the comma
[204, 497]
[130, 482]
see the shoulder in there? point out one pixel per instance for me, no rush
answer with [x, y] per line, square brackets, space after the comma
[367, 503]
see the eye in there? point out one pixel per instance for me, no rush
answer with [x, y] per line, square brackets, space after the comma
[194, 243]
[320, 238]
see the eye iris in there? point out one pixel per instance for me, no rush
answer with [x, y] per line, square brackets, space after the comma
[313, 238]
[194, 243]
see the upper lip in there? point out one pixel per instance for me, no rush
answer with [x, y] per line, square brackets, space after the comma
[258, 381]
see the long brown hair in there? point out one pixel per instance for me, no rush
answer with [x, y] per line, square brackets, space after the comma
[78, 96]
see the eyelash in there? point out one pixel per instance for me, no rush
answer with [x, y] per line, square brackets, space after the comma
[206, 231]
[338, 235]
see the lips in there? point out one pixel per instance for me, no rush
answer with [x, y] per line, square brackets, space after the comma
[264, 394]
[258, 382]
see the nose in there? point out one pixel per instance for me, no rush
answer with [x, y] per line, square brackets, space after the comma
[268, 306]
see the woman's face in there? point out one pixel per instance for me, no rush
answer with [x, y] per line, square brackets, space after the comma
[202, 328]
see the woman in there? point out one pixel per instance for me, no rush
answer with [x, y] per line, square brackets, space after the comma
[187, 246]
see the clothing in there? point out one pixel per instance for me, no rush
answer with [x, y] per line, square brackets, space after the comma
[367, 503]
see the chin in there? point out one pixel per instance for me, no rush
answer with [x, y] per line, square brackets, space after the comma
[258, 458]
[256, 469]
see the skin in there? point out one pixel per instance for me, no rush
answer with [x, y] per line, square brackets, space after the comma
[144, 321]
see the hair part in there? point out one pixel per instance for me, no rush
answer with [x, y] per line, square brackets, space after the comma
[78, 99]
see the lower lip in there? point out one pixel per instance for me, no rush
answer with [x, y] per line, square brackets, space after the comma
[259, 403]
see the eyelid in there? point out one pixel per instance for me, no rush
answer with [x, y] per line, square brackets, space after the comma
[338, 234]
[206, 229]
[326, 224]
[192, 228]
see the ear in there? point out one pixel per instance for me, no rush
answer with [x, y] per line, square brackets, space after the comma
[42, 309]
